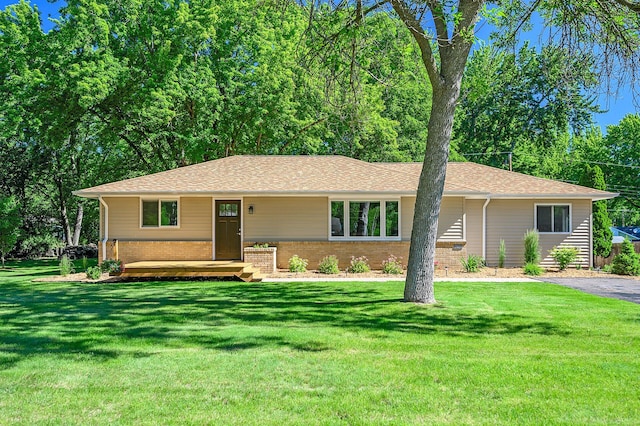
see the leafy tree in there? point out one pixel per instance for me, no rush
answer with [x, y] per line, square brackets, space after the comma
[444, 33]
[622, 144]
[602, 235]
[523, 103]
[9, 225]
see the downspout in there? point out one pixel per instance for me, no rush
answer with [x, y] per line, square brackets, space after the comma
[105, 237]
[484, 228]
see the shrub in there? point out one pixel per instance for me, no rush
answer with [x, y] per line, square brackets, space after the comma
[66, 266]
[564, 256]
[532, 247]
[85, 263]
[261, 245]
[533, 269]
[93, 272]
[359, 265]
[297, 264]
[39, 245]
[392, 266]
[111, 265]
[502, 254]
[329, 265]
[472, 263]
[606, 268]
[627, 262]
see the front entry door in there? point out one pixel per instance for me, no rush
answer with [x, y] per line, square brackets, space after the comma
[228, 242]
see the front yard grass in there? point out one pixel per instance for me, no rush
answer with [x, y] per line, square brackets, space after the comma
[312, 353]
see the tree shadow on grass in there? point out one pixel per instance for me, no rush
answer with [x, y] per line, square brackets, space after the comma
[90, 319]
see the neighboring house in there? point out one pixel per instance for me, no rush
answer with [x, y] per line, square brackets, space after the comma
[315, 206]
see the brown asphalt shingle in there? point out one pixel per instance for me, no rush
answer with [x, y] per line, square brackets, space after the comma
[330, 175]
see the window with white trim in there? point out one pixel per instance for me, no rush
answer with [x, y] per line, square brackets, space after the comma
[361, 219]
[159, 213]
[553, 218]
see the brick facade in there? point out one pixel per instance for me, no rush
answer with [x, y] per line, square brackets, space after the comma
[447, 253]
[136, 251]
[263, 258]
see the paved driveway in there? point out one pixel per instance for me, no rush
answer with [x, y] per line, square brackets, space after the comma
[617, 288]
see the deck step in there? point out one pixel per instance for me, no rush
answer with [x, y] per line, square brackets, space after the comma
[185, 269]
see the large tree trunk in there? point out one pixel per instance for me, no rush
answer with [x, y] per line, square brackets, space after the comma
[78, 227]
[420, 270]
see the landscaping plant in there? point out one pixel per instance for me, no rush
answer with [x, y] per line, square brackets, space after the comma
[111, 266]
[297, 264]
[329, 265]
[392, 266]
[627, 262]
[564, 256]
[533, 269]
[94, 272]
[473, 263]
[359, 265]
[502, 253]
[532, 247]
[66, 266]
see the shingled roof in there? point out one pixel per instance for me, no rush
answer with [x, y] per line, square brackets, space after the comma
[300, 175]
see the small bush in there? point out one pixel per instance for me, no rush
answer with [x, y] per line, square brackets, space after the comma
[359, 265]
[261, 245]
[85, 263]
[66, 266]
[392, 266]
[297, 264]
[606, 268]
[627, 262]
[94, 272]
[532, 247]
[473, 263]
[533, 269]
[111, 266]
[329, 265]
[502, 254]
[564, 256]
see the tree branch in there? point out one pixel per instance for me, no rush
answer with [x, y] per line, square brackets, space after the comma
[421, 37]
[631, 5]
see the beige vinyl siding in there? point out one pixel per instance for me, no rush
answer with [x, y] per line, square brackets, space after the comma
[450, 223]
[407, 205]
[286, 219]
[473, 210]
[194, 220]
[510, 219]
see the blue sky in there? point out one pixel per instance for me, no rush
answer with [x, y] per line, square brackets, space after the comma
[617, 105]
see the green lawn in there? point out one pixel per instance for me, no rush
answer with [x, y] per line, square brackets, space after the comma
[312, 353]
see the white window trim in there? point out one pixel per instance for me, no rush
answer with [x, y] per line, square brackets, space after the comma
[535, 217]
[383, 217]
[160, 200]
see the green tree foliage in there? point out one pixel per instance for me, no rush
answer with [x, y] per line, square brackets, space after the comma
[622, 143]
[10, 221]
[602, 235]
[525, 103]
[627, 262]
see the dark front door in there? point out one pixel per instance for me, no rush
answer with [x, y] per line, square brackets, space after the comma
[228, 242]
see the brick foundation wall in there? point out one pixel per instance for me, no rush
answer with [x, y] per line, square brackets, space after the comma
[447, 253]
[263, 258]
[135, 251]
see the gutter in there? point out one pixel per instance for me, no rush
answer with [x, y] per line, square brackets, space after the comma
[484, 228]
[106, 228]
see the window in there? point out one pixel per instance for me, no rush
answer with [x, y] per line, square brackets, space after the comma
[553, 218]
[365, 219]
[157, 213]
[228, 210]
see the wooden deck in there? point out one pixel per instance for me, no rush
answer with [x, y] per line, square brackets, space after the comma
[213, 268]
